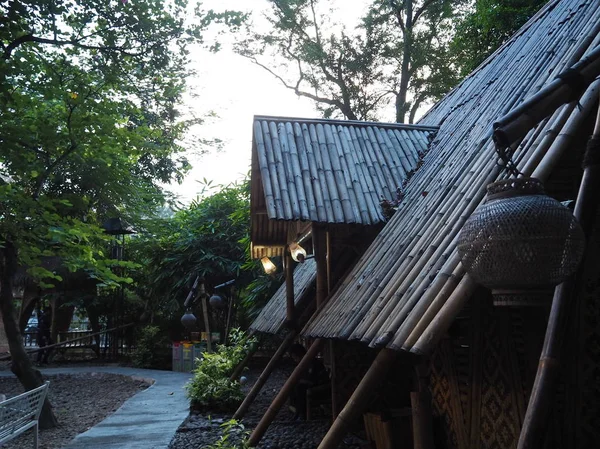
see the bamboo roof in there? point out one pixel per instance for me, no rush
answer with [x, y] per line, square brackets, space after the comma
[326, 171]
[272, 317]
[408, 286]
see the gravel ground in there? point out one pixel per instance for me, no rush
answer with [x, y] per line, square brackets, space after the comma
[79, 401]
[201, 430]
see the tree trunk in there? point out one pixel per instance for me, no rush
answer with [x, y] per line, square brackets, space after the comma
[402, 106]
[21, 365]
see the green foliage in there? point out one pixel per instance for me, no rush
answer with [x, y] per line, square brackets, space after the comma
[234, 436]
[209, 238]
[153, 349]
[211, 387]
[90, 95]
[487, 26]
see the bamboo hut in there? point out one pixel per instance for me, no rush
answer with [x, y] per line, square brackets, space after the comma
[408, 297]
[320, 183]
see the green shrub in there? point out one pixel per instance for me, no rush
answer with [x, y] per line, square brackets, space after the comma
[153, 350]
[210, 388]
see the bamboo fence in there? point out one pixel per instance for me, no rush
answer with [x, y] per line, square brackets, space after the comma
[410, 284]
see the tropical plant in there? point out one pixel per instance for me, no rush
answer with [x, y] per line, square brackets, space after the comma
[234, 436]
[211, 386]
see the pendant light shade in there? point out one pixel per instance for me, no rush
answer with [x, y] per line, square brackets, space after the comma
[520, 242]
[216, 301]
[188, 319]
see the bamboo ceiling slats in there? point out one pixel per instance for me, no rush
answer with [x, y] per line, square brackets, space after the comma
[272, 316]
[410, 283]
[329, 171]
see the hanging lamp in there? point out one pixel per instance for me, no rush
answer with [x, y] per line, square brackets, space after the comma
[520, 242]
[216, 301]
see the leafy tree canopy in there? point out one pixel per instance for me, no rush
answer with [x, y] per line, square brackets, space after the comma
[89, 93]
[398, 53]
[487, 25]
[210, 239]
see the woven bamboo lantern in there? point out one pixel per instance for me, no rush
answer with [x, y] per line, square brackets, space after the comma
[520, 243]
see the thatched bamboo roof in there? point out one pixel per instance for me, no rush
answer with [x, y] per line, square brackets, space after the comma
[272, 316]
[326, 171]
[408, 286]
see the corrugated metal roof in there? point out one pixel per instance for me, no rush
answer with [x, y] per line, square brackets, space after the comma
[328, 171]
[398, 291]
[272, 316]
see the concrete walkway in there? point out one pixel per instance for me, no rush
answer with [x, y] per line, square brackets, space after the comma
[147, 420]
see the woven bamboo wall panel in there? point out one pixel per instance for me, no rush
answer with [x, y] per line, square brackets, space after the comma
[272, 316]
[405, 289]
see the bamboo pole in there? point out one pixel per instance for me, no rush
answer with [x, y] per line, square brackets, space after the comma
[359, 399]
[264, 375]
[206, 324]
[420, 402]
[320, 248]
[283, 394]
[540, 401]
[569, 85]
[290, 316]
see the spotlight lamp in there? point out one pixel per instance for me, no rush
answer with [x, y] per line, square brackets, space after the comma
[298, 253]
[268, 265]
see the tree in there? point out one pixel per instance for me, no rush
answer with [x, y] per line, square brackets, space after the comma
[487, 26]
[89, 94]
[398, 52]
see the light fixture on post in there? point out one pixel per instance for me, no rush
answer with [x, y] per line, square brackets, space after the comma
[216, 301]
[298, 253]
[189, 319]
[520, 242]
[268, 265]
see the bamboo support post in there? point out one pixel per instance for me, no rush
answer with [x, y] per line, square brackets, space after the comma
[320, 245]
[359, 399]
[290, 313]
[283, 394]
[206, 323]
[264, 375]
[420, 402]
[540, 401]
[422, 415]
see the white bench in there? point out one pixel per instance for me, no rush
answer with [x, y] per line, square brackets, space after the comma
[21, 413]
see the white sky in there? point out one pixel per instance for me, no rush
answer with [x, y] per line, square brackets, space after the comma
[236, 90]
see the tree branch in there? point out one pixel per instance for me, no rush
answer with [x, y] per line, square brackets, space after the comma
[397, 11]
[296, 89]
[426, 4]
[40, 40]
